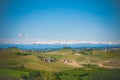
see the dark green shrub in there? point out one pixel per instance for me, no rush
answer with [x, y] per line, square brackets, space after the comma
[24, 76]
[34, 74]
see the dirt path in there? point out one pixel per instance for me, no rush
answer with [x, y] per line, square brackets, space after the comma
[76, 58]
[73, 63]
[87, 61]
[104, 66]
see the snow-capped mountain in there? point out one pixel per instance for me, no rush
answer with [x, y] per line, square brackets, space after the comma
[55, 42]
[73, 42]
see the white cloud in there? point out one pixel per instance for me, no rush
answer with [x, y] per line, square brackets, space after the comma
[20, 35]
[23, 35]
[27, 35]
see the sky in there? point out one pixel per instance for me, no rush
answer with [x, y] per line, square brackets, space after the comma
[51, 20]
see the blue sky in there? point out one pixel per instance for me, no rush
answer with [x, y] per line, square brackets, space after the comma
[79, 20]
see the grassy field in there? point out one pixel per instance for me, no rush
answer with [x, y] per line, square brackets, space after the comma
[12, 73]
[63, 64]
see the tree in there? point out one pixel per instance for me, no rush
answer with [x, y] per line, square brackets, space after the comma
[34, 74]
[24, 76]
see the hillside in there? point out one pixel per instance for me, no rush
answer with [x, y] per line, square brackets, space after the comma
[15, 62]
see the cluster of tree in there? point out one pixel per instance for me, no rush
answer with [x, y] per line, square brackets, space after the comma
[86, 51]
[76, 74]
[97, 74]
[33, 75]
[22, 54]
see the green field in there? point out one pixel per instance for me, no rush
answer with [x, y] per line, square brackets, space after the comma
[62, 64]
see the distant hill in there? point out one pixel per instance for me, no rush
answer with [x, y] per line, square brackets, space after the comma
[58, 46]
